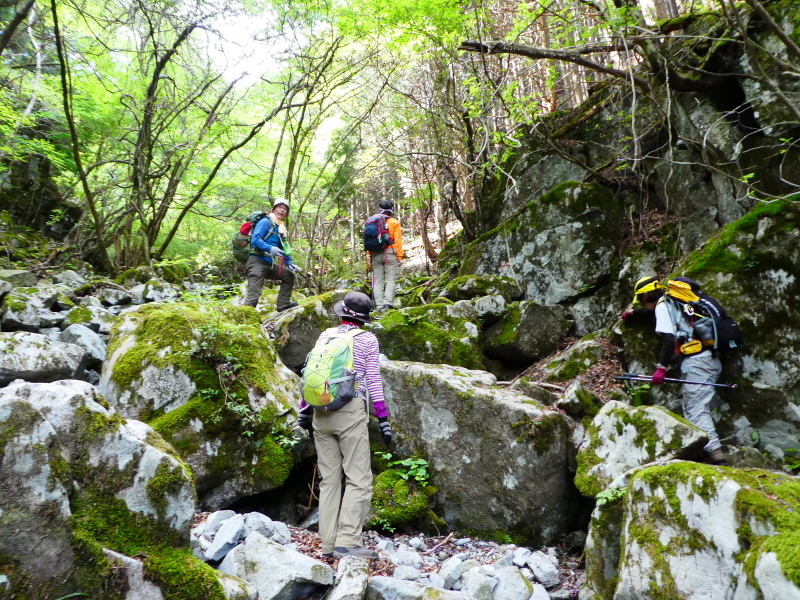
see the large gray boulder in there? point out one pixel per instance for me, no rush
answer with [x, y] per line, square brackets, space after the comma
[526, 332]
[572, 220]
[352, 578]
[498, 458]
[622, 437]
[35, 357]
[686, 530]
[74, 477]
[18, 277]
[276, 572]
[206, 378]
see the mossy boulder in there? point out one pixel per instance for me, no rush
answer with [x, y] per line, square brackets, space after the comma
[572, 220]
[498, 458]
[575, 360]
[527, 332]
[434, 333]
[623, 437]
[683, 527]
[399, 502]
[207, 378]
[468, 287]
[18, 277]
[296, 331]
[77, 479]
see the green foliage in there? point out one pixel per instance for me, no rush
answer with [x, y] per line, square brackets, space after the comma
[610, 495]
[409, 468]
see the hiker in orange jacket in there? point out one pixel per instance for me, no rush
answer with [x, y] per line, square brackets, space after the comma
[386, 263]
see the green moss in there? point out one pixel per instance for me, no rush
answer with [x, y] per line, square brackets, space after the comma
[81, 314]
[542, 433]
[181, 576]
[397, 502]
[274, 463]
[140, 274]
[167, 481]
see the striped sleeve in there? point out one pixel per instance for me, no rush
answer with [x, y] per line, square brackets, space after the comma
[366, 361]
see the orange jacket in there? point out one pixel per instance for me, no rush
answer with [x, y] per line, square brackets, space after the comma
[396, 233]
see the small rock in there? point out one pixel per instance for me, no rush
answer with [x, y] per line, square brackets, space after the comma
[406, 572]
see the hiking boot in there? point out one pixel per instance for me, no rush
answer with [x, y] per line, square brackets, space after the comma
[327, 555]
[716, 457]
[388, 307]
[359, 551]
[288, 306]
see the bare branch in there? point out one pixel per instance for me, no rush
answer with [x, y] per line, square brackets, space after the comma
[500, 47]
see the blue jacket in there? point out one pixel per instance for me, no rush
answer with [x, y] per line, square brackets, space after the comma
[264, 236]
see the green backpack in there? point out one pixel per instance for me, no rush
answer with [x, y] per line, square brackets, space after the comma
[240, 244]
[329, 379]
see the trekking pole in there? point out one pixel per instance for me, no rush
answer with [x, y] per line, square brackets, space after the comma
[649, 379]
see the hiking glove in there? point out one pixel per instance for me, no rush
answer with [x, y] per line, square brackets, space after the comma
[293, 268]
[658, 376]
[386, 431]
[305, 419]
[627, 315]
[275, 252]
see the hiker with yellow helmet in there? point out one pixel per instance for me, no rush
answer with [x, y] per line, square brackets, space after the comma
[678, 344]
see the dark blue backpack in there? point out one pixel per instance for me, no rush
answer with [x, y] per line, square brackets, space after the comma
[376, 233]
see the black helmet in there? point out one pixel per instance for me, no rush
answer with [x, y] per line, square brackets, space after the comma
[386, 205]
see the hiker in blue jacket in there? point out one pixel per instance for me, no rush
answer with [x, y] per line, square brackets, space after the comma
[270, 257]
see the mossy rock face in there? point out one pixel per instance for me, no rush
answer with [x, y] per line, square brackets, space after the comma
[207, 378]
[622, 437]
[743, 526]
[434, 333]
[572, 220]
[296, 331]
[498, 458]
[526, 332]
[468, 287]
[77, 478]
[751, 267]
[141, 274]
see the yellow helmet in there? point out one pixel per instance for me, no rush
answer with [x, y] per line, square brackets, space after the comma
[644, 285]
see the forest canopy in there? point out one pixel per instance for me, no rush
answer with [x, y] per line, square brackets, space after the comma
[154, 126]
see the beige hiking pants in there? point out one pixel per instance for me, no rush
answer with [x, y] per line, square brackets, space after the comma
[342, 444]
[384, 270]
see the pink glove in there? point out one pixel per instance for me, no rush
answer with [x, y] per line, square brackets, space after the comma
[658, 376]
[627, 315]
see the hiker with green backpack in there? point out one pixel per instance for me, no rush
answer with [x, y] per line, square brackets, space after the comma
[340, 379]
[694, 328]
[270, 257]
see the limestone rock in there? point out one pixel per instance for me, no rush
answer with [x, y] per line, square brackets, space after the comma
[69, 278]
[690, 527]
[573, 219]
[528, 331]
[276, 572]
[69, 465]
[352, 579]
[37, 358]
[543, 569]
[96, 318]
[92, 343]
[162, 368]
[500, 459]
[18, 277]
[468, 287]
[622, 437]
[575, 360]
[389, 588]
[434, 333]
[511, 585]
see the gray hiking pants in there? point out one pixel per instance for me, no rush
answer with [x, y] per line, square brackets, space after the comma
[258, 271]
[342, 444]
[384, 273]
[697, 398]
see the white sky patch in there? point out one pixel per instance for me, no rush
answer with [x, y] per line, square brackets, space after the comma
[324, 133]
